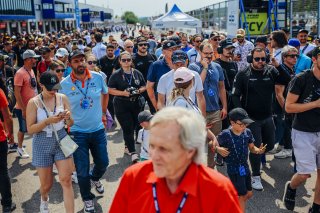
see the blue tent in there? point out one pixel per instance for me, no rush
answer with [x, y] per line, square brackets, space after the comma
[175, 18]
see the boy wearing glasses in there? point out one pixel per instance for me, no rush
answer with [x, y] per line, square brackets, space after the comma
[237, 139]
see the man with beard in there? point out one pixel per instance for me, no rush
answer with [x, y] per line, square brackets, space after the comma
[194, 53]
[84, 90]
[305, 47]
[253, 91]
[214, 41]
[25, 88]
[230, 70]
[242, 49]
[142, 61]
[107, 65]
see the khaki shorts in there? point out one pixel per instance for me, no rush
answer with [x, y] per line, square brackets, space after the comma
[306, 147]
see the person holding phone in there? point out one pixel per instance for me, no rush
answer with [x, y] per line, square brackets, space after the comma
[48, 112]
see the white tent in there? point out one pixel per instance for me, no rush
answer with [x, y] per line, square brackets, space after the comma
[175, 18]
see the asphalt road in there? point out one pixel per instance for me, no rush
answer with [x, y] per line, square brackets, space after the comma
[25, 182]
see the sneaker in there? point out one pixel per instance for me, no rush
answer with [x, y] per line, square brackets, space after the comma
[74, 177]
[285, 153]
[277, 148]
[88, 206]
[44, 206]
[22, 153]
[54, 169]
[12, 147]
[256, 183]
[98, 185]
[134, 158]
[289, 197]
[9, 209]
[126, 151]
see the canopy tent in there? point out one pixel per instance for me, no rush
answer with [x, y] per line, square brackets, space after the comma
[175, 18]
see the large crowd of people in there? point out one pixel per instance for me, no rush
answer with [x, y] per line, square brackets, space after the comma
[241, 99]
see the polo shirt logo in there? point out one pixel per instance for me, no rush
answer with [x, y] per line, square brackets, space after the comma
[53, 80]
[73, 88]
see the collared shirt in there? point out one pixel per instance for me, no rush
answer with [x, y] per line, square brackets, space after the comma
[85, 120]
[193, 55]
[307, 48]
[208, 191]
[244, 50]
[277, 55]
[99, 50]
[211, 84]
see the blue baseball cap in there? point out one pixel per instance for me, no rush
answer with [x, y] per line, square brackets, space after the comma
[179, 56]
[294, 42]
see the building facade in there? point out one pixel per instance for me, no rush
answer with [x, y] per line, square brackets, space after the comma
[48, 15]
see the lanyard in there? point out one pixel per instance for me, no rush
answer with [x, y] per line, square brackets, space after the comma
[84, 94]
[278, 54]
[234, 146]
[192, 104]
[45, 108]
[305, 47]
[156, 202]
[125, 77]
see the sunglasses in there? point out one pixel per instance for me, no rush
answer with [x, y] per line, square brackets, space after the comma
[293, 56]
[210, 53]
[215, 39]
[257, 59]
[129, 47]
[126, 60]
[198, 41]
[60, 70]
[240, 36]
[52, 48]
[92, 62]
[145, 44]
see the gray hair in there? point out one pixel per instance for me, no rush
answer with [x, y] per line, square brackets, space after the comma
[286, 49]
[192, 128]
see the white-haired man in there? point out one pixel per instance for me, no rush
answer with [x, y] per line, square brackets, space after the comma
[175, 179]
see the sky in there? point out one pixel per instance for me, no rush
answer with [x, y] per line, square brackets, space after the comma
[146, 8]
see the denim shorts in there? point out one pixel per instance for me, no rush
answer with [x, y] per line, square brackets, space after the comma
[241, 183]
[306, 147]
[21, 120]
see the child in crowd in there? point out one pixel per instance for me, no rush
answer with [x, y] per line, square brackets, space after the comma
[237, 139]
[144, 118]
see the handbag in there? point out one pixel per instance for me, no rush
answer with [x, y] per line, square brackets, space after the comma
[67, 145]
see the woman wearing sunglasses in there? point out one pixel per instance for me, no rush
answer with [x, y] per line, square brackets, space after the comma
[48, 112]
[58, 67]
[126, 84]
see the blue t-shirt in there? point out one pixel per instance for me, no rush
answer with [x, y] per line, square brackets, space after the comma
[237, 145]
[67, 71]
[90, 119]
[211, 84]
[303, 63]
[156, 70]
[186, 48]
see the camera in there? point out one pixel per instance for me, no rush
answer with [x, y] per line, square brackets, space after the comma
[33, 82]
[133, 91]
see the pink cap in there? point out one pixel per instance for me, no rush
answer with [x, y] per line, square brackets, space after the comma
[182, 75]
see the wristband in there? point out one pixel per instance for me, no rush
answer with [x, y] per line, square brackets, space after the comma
[104, 114]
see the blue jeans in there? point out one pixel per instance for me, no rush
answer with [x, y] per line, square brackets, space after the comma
[96, 142]
[283, 131]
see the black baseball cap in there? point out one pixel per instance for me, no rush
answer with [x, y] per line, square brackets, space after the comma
[168, 44]
[75, 53]
[262, 39]
[303, 31]
[142, 40]
[179, 56]
[239, 114]
[227, 43]
[144, 116]
[50, 80]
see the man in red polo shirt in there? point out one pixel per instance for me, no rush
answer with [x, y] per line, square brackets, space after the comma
[5, 186]
[175, 180]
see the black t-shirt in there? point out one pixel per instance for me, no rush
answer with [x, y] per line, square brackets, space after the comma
[307, 121]
[19, 52]
[142, 63]
[256, 89]
[230, 70]
[107, 66]
[121, 81]
[286, 75]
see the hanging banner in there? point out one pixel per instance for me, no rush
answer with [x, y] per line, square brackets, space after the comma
[77, 12]
[232, 18]
[256, 23]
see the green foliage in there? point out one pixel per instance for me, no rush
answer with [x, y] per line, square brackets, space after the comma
[129, 17]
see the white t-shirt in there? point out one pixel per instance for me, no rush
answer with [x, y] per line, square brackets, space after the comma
[143, 138]
[166, 85]
[307, 49]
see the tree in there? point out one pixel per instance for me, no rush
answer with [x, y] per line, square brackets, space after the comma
[129, 17]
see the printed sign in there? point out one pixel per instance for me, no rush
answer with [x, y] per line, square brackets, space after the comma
[256, 23]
